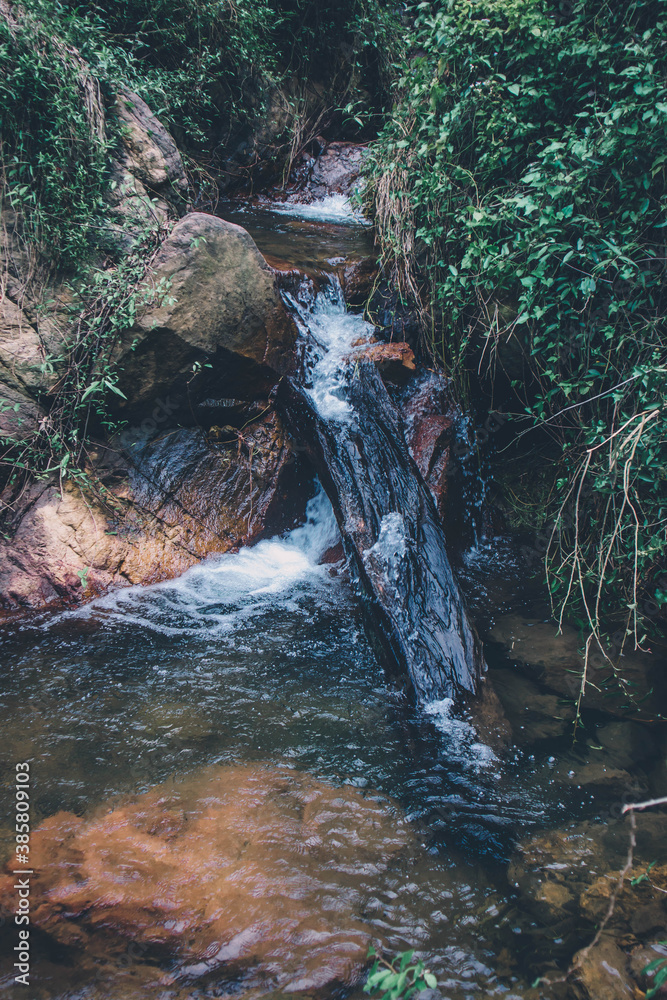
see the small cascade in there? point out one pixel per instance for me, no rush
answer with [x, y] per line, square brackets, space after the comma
[344, 417]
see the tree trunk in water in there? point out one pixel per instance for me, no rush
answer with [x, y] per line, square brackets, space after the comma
[393, 539]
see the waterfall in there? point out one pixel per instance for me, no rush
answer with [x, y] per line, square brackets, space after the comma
[343, 416]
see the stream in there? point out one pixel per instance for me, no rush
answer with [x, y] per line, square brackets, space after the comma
[260, 658]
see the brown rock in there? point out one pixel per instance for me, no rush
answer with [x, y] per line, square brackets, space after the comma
[22, 353]
[602, 973]
[250, 870]
[395, 362]
[148, 171]
[221, 306]
[20, 415]
[584, 861]
[640, 907]
[429, 413]
[644, 955]
[23, 373]
[556, 661]
[303, 283]
[551, 869]
[626, 743]
[183, 499]
[357, 278]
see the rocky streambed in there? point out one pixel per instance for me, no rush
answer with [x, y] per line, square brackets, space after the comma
[230, 793]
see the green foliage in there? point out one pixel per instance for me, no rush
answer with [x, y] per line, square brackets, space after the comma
[657, 968]
[53, 146]
[398, 980]
[105, 304]
[645, 876]
[207, 66]
[189, 61]
[520, 192]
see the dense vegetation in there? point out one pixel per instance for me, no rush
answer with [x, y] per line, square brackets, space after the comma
[207, 69]
[520, 191]
[210, 70]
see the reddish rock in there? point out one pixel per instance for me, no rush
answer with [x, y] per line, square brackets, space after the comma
[183, 497]
[295, 280]
[334, 555]
[166, 495]
[241, 870]
[395, 362]
[429, 413]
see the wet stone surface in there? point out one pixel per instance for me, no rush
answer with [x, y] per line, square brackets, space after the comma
[251, 869]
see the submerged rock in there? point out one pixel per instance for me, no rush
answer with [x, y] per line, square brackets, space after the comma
[242, 870]
[625, 687]
[567, 879]
[602, 973]
[533, 714]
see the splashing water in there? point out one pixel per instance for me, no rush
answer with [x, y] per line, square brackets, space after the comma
[333, 334]
[218, 595]
[461, 739]
[334, 208]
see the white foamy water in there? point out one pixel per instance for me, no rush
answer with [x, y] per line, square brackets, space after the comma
[222, 593]
[334, 208]
[463, 743]
[388, 553]
[334, 334]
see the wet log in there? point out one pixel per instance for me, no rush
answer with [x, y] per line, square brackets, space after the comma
[392, 536]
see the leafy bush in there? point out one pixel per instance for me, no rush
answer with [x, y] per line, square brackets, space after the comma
[53, 143]
[206, 66]
[520, 193]
[400, 979]
[189, 60]
[106, 304]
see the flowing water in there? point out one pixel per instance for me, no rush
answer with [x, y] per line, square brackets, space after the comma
[260, 658]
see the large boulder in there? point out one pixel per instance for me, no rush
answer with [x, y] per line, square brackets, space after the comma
[250, 871]
[171, 500]
[148, 174]
[217, 305]
[337, 169]
[174, 493]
